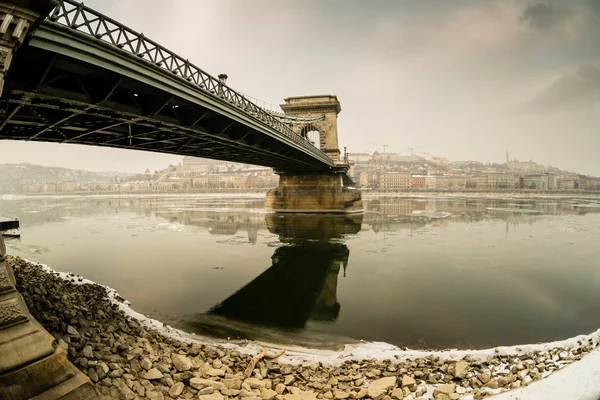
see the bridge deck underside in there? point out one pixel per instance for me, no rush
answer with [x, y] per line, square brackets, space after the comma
[50, 97]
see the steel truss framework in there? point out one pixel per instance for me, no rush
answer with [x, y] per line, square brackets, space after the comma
[78, 17]
[53, 98]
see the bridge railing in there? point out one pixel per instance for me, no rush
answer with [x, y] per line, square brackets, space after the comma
[81, 18]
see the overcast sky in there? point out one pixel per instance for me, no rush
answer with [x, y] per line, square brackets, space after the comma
[465, 79]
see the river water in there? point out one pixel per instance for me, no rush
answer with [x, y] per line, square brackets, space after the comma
[419, 273]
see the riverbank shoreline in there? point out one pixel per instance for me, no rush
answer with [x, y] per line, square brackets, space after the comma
[130, 356]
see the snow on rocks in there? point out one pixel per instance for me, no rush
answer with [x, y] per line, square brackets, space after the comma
[128, 356]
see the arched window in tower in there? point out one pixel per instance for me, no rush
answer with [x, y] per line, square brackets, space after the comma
[312, 135]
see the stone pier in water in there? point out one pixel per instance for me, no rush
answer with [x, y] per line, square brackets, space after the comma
[321, 193]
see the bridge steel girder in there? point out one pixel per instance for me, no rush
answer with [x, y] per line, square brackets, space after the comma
[74, 54]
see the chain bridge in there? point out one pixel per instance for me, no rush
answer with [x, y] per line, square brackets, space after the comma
[82, 77]
[69, 74]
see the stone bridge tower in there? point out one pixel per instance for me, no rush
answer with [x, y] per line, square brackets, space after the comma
[322, 191]
[316, 106]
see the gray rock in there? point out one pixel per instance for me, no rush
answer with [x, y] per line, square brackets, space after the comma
[340, 394]
[378, 388]
[232, 383]
[214, 396]
[181, 363]
[88, 352]
[362, 393]
[255, 383]
[267, 394]
[199, 383]
[93, 375]
[153, 374]
[146, 364]
[492, 384]
[147, 385]
[446, 389]
[230, 392]
[215, 372]
[135, 366]
[155, 395]
[116, 373]
[407, 381]
[288, 380]
[460, 369]
[126, 393]
[485, 377]
[397, 394]
[72, 331]
[138, 388]
[207, 390]
[505, 380]
[280, 388]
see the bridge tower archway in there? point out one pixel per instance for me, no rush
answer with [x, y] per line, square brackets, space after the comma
[315, 107]
[312, 134]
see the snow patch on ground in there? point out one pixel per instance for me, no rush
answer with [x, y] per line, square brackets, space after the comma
[578, 381]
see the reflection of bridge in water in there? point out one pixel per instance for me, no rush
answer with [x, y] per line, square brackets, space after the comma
[229, 217]
[224, 216]
[301, 283]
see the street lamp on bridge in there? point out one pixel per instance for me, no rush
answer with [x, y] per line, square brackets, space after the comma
[222, 81]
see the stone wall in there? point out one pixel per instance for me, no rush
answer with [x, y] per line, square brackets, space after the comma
[31, 364]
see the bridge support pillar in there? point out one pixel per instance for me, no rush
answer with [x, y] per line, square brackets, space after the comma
[313, 193]
[18, 19]
[31, 364]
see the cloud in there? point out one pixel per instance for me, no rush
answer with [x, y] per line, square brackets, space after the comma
[595, 6]
[542, 16]
[579, 89]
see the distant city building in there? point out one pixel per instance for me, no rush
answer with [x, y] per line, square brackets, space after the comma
[552, 184]
[538, 182]
[478, 181]
[363, 178]
[523, 166]
[394, 180]
[359, 157]
[430, 182]
[440, 160]
[418, 182]
[68, 186]
[502, 181]
[567, 183]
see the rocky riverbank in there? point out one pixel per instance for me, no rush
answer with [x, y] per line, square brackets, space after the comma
[128, 360]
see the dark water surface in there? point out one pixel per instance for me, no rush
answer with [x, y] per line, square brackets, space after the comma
[434, 273]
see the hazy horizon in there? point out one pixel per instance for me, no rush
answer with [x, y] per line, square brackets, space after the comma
[465, 79]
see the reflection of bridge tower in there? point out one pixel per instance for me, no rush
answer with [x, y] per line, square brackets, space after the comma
[327, 307]
[302, 282]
